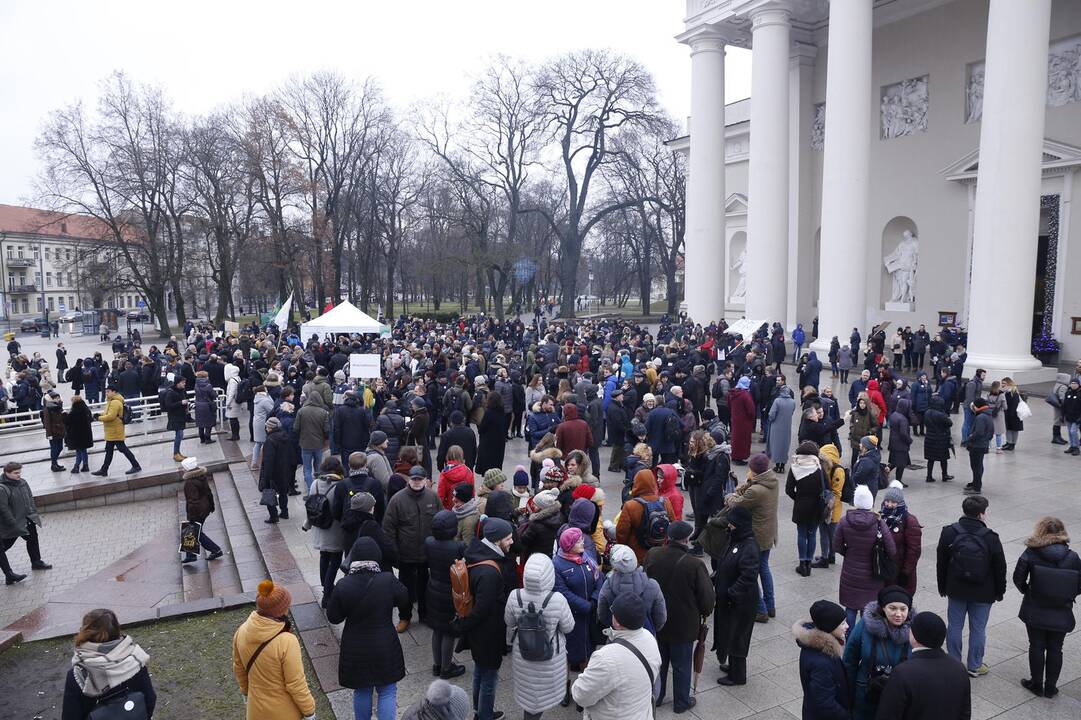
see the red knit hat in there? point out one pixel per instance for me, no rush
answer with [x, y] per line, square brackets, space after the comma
[272, 600]
[584, 491]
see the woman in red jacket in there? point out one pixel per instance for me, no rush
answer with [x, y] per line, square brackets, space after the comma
[741, 405]
[907, 535]
[874, 394]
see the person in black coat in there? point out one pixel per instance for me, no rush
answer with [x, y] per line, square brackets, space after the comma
[938, 438]
[371, 654]
[278, 467]
[175, 405]
[804, 485]
[492, 575]
[1048, 574]
[351, 427]
[736, 585]
[442, 550]
[619, 429]
[493, 435]
[822, 674]
[461, 435]
[357, 521]
[360, 480]
[929, 685]
[79, 433]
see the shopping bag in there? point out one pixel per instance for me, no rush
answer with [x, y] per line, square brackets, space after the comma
[189, 536]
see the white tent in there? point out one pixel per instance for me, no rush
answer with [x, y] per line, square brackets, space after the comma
[343, 318]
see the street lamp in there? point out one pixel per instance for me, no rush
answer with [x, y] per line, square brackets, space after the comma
[589, 292]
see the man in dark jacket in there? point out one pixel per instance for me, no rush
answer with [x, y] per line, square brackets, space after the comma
[18, 519]
[130, 382]
[689, 597]
[972, 574]
[539, 424]
[278, 468]
[492, 576]
[391, 422]
[461, 435]
[573, 433]
[979, 439]
[198, 505]
[930, 684]
[350, 427]
[665, 448]
[619, 427]
[407, 522]
[361, 481]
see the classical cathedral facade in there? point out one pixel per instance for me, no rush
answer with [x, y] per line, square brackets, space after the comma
[903, 160]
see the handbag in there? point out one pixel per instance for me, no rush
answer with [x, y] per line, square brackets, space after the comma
[120, 704]
[1024, 412]
[268, 497]
[883, 567]
[189, 536]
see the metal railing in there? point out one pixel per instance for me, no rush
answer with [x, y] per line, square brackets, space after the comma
[144, 411]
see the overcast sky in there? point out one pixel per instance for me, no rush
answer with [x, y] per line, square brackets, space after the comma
[206, 53]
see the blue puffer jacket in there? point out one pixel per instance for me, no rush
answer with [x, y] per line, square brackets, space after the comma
[579, 582]
[921, 393]
[539, 424]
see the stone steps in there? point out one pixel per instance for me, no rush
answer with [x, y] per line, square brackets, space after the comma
[247, 560]
[203, 579]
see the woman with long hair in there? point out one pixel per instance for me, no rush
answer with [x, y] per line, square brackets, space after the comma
[1014, 424]
[108, 669]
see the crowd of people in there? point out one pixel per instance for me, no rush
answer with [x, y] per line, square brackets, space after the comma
[593, 598]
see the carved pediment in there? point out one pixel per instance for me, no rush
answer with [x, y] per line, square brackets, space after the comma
[736, 204]
[1055, 157]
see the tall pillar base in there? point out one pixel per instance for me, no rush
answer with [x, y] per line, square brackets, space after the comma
[1023, 370]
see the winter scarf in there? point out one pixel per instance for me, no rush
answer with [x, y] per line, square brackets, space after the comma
[466, 509]
[804, 465]
[100, 667]
[359, 566]
[895, 517]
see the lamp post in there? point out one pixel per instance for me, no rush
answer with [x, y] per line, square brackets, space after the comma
[589, 291]
[41, 275]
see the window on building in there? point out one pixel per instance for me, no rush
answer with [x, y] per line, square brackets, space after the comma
[22, 278]
[67, 254]
[71, 302]
[37, 251]
[11, 253]
[51, 308]
[20, 251]
[26, 306]
[48, 279]
[109, 303]
[41, 308]
[37, 279]
[11, 280]
[48, 255]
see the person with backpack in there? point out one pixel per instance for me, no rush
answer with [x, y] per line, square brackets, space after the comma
[1048, 575]
[690, 596]
[113, 419]
[805, 485]
[108, 670]
[1054, 398]
[407, 523]
[371, 660]
[361, 481]
[539, 621]
[490, 574]
[456, 399]
[979, 442]
[644, 519]
[619, 682]
[441, 550]
[971, 390]
[324, 516]
[736, 585]
[855, 538]
[878, 643]
[971, 570]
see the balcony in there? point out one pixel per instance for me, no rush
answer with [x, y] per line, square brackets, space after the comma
[17, 289]
[19, 262]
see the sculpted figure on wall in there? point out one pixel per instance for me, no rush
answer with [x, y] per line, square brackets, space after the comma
[901, 265]
[818, 128]
[1063, 78]
[904, 108]
[739, 295]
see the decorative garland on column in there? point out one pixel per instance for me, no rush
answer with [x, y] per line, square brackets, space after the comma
[1045, 341]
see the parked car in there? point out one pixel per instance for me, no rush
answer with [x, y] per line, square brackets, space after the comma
[74, 317]
[139, 315]
[33, 326]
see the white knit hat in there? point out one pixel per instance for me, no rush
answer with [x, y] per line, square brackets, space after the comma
[189, 463]
[863, 499]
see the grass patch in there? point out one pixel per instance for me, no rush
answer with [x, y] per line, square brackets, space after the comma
[191, 664]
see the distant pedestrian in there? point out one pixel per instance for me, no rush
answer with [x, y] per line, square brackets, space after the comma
[108, 671]
[52, 417]
[78, 433]
[736, 586]
[198, 505]
[854, 539]
[19, 518]
[979, 441]
[112, 418]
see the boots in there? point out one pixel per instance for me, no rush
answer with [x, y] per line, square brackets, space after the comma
[821, 562]
[566, 701]
[10, 576]
[1056, 435]
[804, 568]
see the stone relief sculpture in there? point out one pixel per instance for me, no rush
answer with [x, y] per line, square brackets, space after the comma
[904, 108]
[739, 295]
[901, 265]
[818, 128]
[1063, 78]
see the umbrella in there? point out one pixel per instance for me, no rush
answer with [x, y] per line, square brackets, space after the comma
[700, 651]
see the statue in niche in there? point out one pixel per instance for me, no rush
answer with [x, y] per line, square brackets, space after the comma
[975, 95]
[739, 295]
[901, 265]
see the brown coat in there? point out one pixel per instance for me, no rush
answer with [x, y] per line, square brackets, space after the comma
[645, 487]
[52, 417]
[759, 496]
[198, 499]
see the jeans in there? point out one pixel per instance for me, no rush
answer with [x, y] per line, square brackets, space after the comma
[82, 458]
[998, 440]
[1075, 434]
[387, 707]
[678, 655]
[257, 452]
[328, 571]
[178, 435]
[1044, 646]
[825, 539]
[966, 424]
[805, 541]
[56, 446]
[415, 578]
[851, 615]
[977, 613]
[311, 460]
[111, 445]
[767, 601]
[484, 682]
[207, 544]
[975, 461]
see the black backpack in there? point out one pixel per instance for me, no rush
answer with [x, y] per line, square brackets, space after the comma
[318, 509]
[126, 416]
[673, 428]
[244, 392]
[653, 530]
[534, 642]
[454, 402]
[970, 558]
[848, 492]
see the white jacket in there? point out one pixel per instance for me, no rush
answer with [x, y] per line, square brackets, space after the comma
[615, 685]
[232, 383]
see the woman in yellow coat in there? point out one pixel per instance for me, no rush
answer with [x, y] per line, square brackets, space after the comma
[273, 680]
[112, 419]
[831, 463]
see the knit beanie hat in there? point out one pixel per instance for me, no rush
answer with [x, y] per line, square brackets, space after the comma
[377, 438]
[569, 538]
[272, 424]
[894, 594]
[863, 499]
[739, 517]
[272, 600]
[463, 492]
[521, 477]
[893, 494]
[447, 701]
[629, 610]
[493, 478]
[827, 615]
[362, 502]
[928, 629]
[623, 559]
[495, 529]
[759, 463]
[868, 441]
[545, 498]
[584, 491]
[189, 463]
[680, 530]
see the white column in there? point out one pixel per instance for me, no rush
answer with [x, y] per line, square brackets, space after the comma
[1008, 187]
[767, 196]
[842, 285]
[704, 237]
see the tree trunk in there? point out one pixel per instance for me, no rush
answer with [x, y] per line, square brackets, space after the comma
[568, 276]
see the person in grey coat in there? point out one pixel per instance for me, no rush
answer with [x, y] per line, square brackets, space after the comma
[330, 541]
[627, 577]
[262, 407]
[780, 427]
[539, 685]
[1058, 392]
[18, 519]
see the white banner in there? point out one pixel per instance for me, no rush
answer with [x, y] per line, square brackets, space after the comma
[364, 366]
[282, 318]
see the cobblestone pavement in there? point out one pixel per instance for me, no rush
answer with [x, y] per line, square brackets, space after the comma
[79, 543]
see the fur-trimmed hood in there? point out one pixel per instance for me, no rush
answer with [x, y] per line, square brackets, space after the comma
[197, 472]
[538, 456]
[1041, 541]
[810, 637]
[874, 622]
